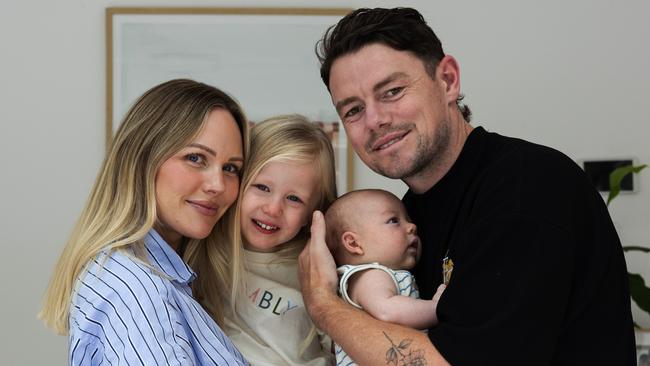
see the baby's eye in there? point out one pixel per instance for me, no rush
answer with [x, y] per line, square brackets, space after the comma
[393, 220]
[262, 187]
[294, 198]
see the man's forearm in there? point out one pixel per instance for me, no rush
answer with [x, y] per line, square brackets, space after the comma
[369, 341]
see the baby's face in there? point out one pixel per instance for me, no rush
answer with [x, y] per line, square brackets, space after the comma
[387, 234]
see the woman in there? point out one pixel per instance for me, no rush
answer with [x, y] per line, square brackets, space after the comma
[120, 288]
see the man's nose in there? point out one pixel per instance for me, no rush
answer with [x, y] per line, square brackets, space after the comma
[377, 115]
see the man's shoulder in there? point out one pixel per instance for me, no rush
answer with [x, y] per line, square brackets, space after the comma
[519, 163]
[512, 151]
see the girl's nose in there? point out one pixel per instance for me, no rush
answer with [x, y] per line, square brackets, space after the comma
[273, 207]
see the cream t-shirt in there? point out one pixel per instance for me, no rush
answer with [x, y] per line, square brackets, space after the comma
[272, 323]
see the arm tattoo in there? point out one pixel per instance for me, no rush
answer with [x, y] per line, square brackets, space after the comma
[400, 354]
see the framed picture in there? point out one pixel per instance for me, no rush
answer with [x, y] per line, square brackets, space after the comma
[263, 57]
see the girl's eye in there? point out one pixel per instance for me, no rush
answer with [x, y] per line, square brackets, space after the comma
[294, 198]
[262, 187]
[393, 220]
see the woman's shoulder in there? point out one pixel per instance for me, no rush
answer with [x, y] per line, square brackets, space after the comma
[118, 278]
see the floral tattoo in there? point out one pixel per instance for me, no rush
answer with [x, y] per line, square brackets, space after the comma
[400, 354]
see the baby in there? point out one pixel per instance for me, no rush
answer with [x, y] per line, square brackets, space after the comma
[375, 244]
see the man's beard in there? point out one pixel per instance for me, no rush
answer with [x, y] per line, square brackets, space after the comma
[429, 153]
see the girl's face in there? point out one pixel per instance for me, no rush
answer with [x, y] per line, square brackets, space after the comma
[196, 185]
[277, 204]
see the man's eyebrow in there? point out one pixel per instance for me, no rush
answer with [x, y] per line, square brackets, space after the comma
[382, 83]
[387, 80]
[344, 102]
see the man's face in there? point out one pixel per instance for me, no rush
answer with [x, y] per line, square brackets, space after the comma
[395, 116]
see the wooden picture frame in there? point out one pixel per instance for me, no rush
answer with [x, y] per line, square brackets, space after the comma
[264, 57]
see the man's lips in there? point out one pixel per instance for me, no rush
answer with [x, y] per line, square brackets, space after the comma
[387, 140]
[205, 207]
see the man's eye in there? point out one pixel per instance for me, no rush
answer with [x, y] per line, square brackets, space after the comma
[352, 111]
[394, 91]
[262, 187]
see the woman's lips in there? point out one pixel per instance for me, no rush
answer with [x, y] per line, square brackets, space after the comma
[205, 208]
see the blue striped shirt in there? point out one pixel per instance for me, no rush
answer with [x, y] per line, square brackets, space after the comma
[125, 313]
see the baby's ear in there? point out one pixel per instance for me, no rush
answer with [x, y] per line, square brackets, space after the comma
[351, 243]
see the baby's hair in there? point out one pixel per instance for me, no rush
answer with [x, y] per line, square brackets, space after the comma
[341, 217]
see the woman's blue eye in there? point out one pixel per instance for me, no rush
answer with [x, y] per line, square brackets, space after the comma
[194, 158]
[393, 220]
[231, 168]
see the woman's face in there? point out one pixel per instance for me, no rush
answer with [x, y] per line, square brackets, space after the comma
[196, 185]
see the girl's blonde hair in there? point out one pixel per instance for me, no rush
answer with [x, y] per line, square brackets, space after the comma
[121, 208]
[292, 138]
[289, 138]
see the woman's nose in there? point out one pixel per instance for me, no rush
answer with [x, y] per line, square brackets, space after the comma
[214, 182]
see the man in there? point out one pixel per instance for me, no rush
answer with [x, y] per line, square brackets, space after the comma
[535, 270]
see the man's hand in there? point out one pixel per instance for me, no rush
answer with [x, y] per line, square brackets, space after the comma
[318, 278]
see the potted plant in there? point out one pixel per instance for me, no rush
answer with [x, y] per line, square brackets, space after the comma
[639, 290]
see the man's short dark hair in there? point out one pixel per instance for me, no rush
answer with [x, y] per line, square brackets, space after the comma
[403, 29]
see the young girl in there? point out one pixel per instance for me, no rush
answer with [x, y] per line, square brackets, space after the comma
[289, 174]
[121, 289]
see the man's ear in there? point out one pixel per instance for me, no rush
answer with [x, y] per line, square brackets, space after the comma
[351, 243]
[449, 73]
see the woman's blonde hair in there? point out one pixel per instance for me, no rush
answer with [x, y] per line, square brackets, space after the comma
[121, 208]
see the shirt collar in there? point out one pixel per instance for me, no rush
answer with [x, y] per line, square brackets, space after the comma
[164, 258]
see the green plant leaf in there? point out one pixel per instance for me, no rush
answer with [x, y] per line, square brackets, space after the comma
[639, 291]
[617, 175]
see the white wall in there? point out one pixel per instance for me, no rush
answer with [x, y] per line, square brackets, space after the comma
[571, 75]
